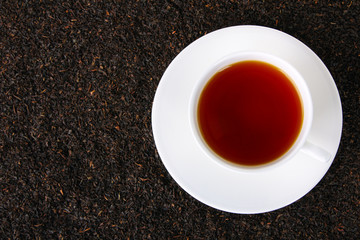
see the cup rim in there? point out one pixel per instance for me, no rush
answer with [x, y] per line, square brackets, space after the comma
[292, 74]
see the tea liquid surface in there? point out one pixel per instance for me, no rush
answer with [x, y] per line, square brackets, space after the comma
[250, 113]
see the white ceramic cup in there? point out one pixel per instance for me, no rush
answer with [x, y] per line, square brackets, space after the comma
[293, 75]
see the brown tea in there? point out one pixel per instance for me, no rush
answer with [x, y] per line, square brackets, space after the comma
[250, 113]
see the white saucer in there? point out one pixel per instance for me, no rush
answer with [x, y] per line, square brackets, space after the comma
[218, 186]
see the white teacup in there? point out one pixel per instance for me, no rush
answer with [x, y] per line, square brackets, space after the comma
[297, 80]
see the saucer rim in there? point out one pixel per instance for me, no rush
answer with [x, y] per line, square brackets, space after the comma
[164, 155]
